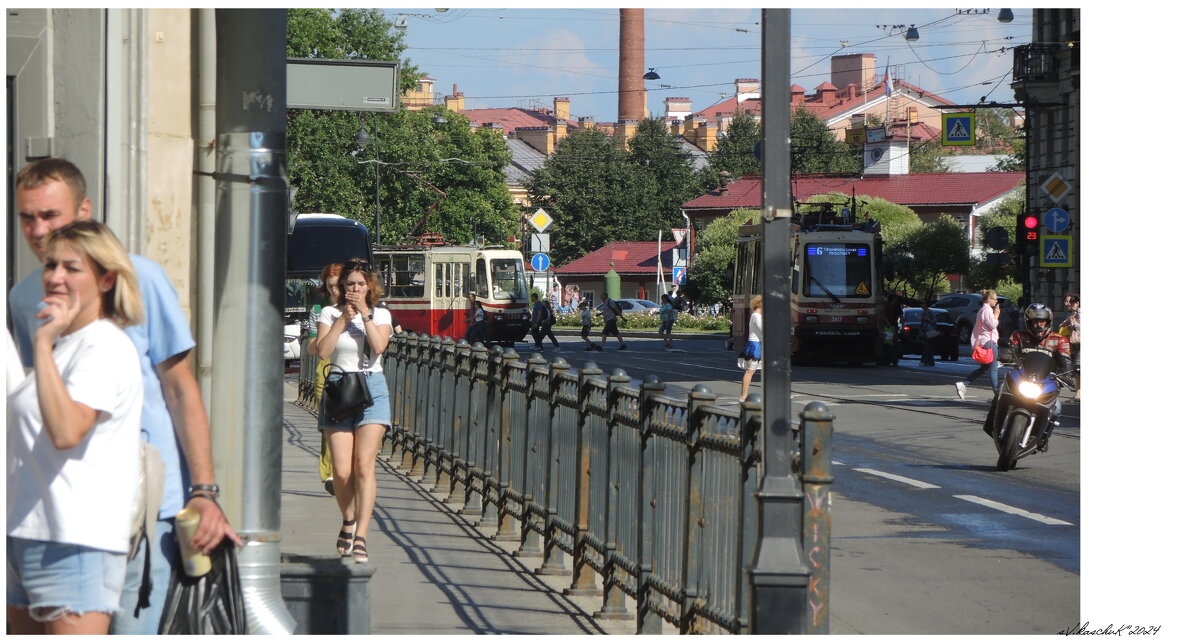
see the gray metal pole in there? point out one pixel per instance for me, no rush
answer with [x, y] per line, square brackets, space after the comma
[779, 577]
[252, 202]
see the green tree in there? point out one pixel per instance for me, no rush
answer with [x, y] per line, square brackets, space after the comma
[709, 277]
[895, 221]
[594, 194]
[924, 257]
[453, 175]
[983, 275]
[816, 149]
[735, 152]
[657, 152]
[928, 157]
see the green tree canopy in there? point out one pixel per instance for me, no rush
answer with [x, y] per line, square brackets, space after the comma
[895, 221]
[816, 149]
[670, 168]
[735, 152]
[447, 176]
[709, 275]
[924, 257]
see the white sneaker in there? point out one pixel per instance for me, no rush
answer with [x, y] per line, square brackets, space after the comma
[961, 387]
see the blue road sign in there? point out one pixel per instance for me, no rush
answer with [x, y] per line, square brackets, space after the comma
[540, 262]
[1057, 251]
[679, 275]
[1056, 220]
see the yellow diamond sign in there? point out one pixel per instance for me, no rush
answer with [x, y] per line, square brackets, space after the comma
[540, 220]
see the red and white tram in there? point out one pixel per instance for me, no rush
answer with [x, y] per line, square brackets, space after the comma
[426, 288]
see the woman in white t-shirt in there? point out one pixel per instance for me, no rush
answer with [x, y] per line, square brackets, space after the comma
[73, 430]
[353, 335]
[750, 359]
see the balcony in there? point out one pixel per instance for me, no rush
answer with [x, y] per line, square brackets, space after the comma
[1035, 63]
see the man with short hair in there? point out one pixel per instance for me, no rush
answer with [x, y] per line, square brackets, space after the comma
[610, 310]
[50, 193]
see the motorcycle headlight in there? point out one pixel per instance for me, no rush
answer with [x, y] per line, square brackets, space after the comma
[1030, 389]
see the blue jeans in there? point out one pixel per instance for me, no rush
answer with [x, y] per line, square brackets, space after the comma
[993, 369]
[164, 556]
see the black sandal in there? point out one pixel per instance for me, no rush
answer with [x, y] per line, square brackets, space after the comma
[360, 550]
[343, 540]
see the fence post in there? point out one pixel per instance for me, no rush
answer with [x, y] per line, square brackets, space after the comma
[699, 395]
[443, 433]
[529, 478]
[614, 597]
[750, 427]
[583, 576]
[509, 529]
[420, 425]
[648, 620]
[460, 441]
[554, 560]
[492, 410]
[816, 452]
[476, 431]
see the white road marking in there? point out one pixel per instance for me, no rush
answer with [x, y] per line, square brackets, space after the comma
[904, 480]
[1014, 511]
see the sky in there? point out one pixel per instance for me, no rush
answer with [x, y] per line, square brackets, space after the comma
[505, 57]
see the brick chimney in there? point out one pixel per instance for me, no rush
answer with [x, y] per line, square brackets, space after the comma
[455, 101]
[677, 127]
[826, 93]
[677, 107]
[745, 88]
[852, 68]
[587, 122]
[560, 129]
[562, 108]
[625, 132]
[631, 94]
[539, 138]
[706, 138]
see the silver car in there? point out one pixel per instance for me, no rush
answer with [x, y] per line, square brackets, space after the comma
[963, 309]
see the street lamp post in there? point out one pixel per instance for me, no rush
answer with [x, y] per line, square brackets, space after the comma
[362, 140]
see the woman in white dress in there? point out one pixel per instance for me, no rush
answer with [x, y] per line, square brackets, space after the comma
[750, 359]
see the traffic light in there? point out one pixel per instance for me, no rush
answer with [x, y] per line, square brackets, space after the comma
[1028, 233]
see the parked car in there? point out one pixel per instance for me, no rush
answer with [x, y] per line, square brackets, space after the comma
[909, 338]
[963, 309]
[637, 306]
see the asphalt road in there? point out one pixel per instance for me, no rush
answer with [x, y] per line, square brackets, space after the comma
[927, 536]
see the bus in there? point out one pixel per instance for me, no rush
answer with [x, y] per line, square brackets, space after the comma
[837, 294]
[427, 288]
[316, 240]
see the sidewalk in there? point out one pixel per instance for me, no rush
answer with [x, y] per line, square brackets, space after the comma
[435, 573]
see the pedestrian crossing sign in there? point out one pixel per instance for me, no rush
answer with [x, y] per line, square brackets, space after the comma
[958, 129]
[1057, 251]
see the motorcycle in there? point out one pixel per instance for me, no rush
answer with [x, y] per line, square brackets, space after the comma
[1019, 419]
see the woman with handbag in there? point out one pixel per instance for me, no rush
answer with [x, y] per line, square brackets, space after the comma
[984, 341]
[355, 408]
[750, 358]
[73, 431]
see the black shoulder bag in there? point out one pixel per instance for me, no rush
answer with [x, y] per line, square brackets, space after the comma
[346, 393]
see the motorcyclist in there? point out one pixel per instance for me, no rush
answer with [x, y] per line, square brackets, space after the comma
[1037, 336]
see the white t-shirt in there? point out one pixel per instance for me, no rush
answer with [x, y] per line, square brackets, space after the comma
[348, 353]
[79, 495]
[756, 327]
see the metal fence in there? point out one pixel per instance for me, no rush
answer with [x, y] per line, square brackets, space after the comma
[653, 498]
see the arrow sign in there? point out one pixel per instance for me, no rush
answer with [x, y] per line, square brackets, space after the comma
[540, 262]
[679, 275]
[1056, 220]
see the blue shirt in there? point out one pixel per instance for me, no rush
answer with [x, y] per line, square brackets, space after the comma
[164, 334]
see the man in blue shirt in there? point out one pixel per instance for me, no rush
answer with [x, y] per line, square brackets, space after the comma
[51, 192]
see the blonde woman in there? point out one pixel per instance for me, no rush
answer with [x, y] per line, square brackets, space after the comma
[750, 359]
[73, 430]
[986, 334]
[353, 335]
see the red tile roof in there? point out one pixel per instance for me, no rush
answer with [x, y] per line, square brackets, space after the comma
[510, 118]
[842, 103]
[909, 189]
[628, 257]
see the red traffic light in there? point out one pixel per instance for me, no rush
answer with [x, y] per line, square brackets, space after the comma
[1030, 222]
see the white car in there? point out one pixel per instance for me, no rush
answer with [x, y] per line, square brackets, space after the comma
[637, 306]
[291, 342]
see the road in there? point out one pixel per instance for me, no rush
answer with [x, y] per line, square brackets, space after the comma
[927, 536]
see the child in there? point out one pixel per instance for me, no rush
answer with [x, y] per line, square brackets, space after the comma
[585, 314]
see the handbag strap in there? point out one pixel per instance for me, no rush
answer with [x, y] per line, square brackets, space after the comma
[366, 346]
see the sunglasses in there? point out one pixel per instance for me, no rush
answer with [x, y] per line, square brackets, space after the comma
[361, 266]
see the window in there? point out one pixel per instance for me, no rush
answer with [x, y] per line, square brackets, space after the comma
[508, 280]
[836, 270]
[404, 276]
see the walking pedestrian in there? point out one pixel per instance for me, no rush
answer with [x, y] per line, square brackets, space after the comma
[585, 316]
[928, 334]
[353, 335]
[50, 193]
[1072, 326]
[610, 311]
[750, 358]
[542, 320]
[73, 432]
[329, 293]
[986, 335]
[478, 330]
[666, 321]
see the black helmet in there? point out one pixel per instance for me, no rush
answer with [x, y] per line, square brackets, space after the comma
[1035, 312]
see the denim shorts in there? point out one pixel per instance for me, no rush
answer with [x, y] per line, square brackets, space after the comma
[63, 578]
[380, 412]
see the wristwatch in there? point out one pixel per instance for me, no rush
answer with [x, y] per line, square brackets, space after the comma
[204, 489]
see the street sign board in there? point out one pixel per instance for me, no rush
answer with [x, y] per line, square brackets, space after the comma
[679, 275]
[540, 262]
[357, 85]
[1056, 220]
[1056, 187]
[958, 129]
[996, 238]
[876, 135]
[856, 136]
[540, 220]
[539, 242]
[679, 234]
[1057, 251]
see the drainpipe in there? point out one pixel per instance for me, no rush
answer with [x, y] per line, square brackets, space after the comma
[206, 142]
[247, 372]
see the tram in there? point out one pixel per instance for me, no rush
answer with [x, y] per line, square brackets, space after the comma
[427, 285]
[837, 294]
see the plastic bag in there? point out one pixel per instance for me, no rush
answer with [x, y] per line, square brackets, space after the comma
[207, 605]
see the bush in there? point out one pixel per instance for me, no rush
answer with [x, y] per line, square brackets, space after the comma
[647, 321]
